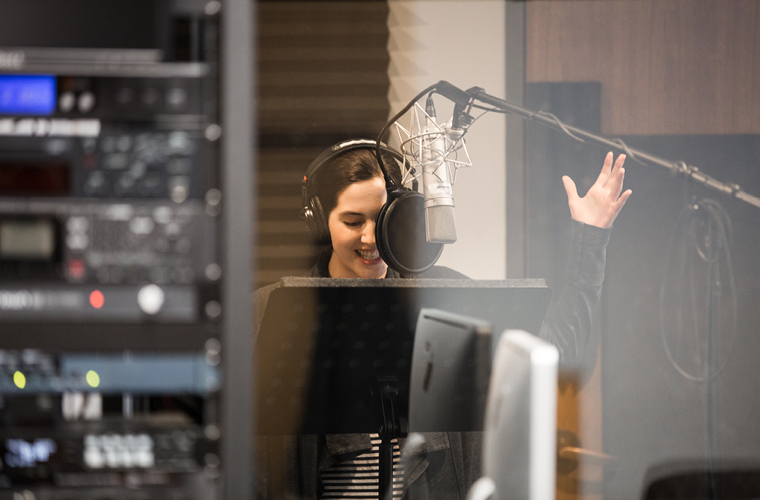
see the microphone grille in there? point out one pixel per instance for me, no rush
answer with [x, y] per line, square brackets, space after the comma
[439, 223]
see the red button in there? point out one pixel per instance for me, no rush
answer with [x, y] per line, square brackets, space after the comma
[97, 299]
[76, 269]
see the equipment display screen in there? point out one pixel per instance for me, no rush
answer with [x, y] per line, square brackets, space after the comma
[27, 240]
[30, 178]
[27, 94]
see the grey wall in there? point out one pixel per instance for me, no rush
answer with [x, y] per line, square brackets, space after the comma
[462, 42]
[654, 418]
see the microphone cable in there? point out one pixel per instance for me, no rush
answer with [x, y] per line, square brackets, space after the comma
[712, 249]
[388, 181]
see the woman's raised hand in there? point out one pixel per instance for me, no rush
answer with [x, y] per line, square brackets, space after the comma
[603, 201]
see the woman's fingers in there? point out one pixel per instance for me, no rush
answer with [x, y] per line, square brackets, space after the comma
[615, 183]
[572, 191]
[604, 175]
[623, 198]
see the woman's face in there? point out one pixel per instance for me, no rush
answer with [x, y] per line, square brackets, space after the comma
[352, 230]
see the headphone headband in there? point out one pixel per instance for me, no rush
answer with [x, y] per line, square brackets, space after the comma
[312, 211]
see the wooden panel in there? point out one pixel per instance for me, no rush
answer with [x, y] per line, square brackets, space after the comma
[579, 412]
[284, 246]
[322, 67]
[666, 67]
[322, 77]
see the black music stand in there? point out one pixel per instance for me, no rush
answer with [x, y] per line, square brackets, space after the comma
[334, 355]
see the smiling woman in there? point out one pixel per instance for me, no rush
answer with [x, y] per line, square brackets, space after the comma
[352, 230]
[344, 191]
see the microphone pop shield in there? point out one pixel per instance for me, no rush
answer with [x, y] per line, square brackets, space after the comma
[400, 234]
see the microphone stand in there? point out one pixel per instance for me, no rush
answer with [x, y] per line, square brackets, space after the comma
[392, 428]
[465, 98]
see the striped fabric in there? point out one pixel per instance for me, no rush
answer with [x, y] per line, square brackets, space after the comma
[359, 478]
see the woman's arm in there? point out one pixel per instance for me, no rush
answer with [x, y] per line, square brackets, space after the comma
[567, 323]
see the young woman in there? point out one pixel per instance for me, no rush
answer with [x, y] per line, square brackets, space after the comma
[344, 191]
[352, 192]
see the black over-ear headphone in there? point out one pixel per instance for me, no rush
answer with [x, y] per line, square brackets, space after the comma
[313, 213]
[400, 232]
[400, 226]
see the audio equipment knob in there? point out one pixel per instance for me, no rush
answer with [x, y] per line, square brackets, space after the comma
[125, 96]
[150, 298]
[86, 102]
[66, 102]
[150, 97]
[176, 97]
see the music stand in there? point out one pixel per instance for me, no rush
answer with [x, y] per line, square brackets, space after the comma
[333, 356]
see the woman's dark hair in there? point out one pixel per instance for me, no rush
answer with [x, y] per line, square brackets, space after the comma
[349, 168]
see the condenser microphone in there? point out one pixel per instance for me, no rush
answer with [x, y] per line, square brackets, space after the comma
[436, 183]
[400, 229]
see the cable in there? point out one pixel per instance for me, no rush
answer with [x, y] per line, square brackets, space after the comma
[490, 108]
[628, 151]
[617, 141]
[712, 248]
[561, 125]
[388, 181]
[709, 246]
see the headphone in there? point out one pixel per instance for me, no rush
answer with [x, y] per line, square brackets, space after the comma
[400, 226]
[312, 212]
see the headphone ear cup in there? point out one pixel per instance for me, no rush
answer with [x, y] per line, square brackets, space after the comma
[319, 225]
[400, 233]
[308, 217]
[382, 248]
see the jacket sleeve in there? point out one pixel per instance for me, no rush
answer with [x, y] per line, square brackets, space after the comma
[567, 323]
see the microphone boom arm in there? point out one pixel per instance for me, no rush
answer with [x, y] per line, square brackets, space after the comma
[549, 120]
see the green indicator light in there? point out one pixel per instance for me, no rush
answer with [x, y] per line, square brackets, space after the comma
[19, 379]
[93, 379]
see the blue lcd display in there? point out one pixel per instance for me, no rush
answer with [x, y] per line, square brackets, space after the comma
[27, 94]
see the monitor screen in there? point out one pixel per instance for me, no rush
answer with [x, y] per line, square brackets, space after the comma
[451, 363]
[35, 177]
[519, 450]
